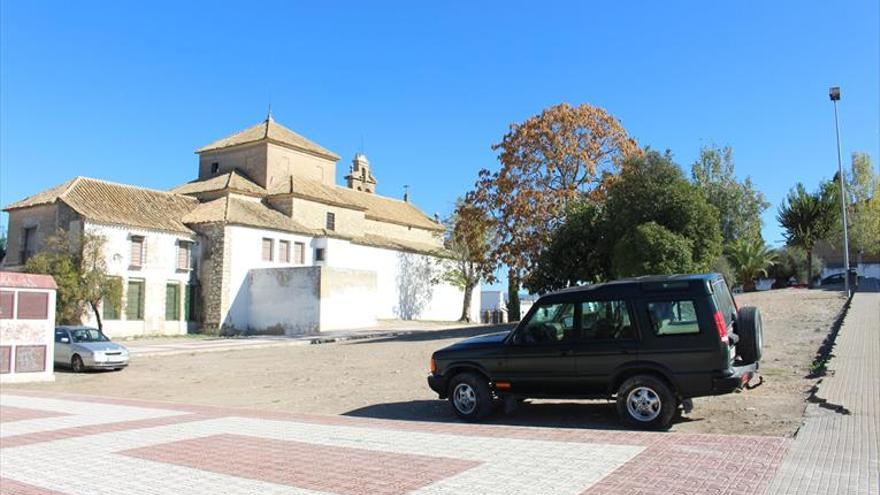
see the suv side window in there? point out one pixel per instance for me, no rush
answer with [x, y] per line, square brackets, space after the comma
[677, 317]
[549, 324]
[603, 320]
[60, 334]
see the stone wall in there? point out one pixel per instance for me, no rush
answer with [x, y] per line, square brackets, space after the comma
[250, 159]
[284, 162]
[214, 276]
[46, 218]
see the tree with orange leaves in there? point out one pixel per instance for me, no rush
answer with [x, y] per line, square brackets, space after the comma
[551, 159]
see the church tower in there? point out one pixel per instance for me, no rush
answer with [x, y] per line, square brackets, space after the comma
[359, 176]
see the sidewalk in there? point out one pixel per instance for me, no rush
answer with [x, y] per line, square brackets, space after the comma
[836, 450]
[61, 443]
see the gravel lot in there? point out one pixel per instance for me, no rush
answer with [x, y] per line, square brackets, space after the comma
[386, 378]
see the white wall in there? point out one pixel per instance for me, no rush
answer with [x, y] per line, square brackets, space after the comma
[158, 269]
[446, 300]
[284, 301]
[246, 253]
[245, 244]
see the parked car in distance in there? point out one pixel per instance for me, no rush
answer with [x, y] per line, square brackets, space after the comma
[82, 348]
[650, 343]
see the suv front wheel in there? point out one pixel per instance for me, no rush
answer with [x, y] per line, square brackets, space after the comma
[470, 397]
[645, 401]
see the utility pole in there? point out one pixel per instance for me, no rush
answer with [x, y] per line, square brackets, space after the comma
[834, 94]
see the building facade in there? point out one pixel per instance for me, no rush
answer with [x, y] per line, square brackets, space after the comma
[263, 241]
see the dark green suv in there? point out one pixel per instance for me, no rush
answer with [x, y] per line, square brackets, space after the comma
[651, 343]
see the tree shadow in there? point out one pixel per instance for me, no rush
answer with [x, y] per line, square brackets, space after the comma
[597, 415]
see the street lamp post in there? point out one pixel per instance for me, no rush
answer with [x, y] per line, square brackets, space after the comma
[834, 94]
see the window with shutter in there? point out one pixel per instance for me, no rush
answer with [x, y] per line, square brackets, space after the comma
[134, 300]
[299, 253]
[267, 249]
[111, 308]
[137, 252]
[331, 221]
[172, 301]
[7, 298]
[284, 251]
[184, 254]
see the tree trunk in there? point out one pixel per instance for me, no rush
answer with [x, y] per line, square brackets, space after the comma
[512, 296]
[97, 316]
[810, 268]
[466, 304]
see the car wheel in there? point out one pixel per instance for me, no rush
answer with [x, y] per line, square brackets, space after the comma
[76, 364]
[750, 330]
[645, 401]
[470, 397]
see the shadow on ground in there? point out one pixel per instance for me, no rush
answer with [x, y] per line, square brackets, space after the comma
[599, 415]
[427, 335]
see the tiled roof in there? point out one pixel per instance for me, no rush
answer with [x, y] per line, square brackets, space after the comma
[272, 131]
[401, 245]
[119, 204]
[375, 207]
[232, 180]
[242, 211]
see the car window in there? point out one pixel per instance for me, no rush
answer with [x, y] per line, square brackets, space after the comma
[60, 334]
[602, 320]
[673, 317]
[724, 301]
[83, 335]
[548, 324]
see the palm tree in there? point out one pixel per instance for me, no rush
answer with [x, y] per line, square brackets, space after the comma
[807, 218]
[750, 259]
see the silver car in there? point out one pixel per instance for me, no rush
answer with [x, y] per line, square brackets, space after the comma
[84, 348]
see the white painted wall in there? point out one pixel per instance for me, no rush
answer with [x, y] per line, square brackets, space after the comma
[246, 253]
[284, 300]
[159, 268]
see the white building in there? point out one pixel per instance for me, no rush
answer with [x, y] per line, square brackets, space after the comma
[263, 241]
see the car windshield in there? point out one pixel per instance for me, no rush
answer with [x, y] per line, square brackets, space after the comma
[88, 335]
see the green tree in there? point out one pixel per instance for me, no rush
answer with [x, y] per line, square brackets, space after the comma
[791, 264]
[469, 232]
[651, 219]
[653, 188]
[80, 271]
[739, 204]
[750, 259]
[652, 249]
[3, 241]
[864, 196]
[807, 218]
[571, 255]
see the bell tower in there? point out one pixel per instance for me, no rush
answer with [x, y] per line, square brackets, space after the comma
[359, 176]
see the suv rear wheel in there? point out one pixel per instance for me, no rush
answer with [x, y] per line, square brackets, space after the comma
[470, 397]
[645, 401]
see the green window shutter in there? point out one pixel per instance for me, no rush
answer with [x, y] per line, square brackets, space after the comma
[172, 301]
[187, 301]
[110, 309]
[134, 304]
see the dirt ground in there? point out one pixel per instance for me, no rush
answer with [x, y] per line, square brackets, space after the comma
[385, 378]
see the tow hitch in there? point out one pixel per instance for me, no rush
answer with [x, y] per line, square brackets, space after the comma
[751, 383]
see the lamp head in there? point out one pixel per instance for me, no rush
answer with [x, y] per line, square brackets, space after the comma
[834, 93]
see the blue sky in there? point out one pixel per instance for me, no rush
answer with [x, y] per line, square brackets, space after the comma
[126, 91]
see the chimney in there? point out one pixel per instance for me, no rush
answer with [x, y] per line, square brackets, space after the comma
[406, 193]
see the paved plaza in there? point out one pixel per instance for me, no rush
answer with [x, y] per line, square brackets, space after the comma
[54, 443]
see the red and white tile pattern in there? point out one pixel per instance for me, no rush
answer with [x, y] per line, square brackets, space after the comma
[116, 446]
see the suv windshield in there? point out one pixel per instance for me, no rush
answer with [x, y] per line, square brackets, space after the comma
[549, 323]
[88, 335]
